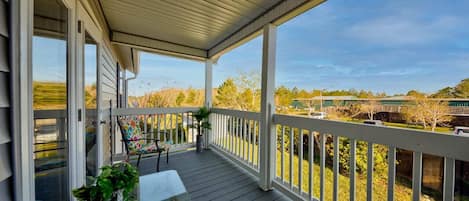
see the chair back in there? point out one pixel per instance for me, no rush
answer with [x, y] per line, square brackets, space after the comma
[131, 134]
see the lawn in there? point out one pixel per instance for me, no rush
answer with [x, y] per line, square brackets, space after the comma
[402, 191]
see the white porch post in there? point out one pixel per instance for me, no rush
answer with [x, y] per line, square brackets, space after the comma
[267, 128]
[208, 95]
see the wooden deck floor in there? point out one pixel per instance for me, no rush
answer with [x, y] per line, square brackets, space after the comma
[208, 176]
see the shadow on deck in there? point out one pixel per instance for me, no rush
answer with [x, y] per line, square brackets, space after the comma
[208, 176]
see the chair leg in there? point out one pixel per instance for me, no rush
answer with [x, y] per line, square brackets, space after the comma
[158, 162]
[138, 161]
[167, 156]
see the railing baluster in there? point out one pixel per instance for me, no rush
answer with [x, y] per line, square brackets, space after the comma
[232, 135]
[171, 127]
[448, 187]
[243, 134]
[152, 121]
[176, 129]
[237, 149]
[417, 176]
[220, 129]
[253, 136]
[181, 132]
[300, 160]
[145, 124]
[164, 126]
[282, 165]
[291, 158]
[249, 142]
[369, 173]
[353, 167]
[335, 195]
[258, 137]
[224, 143]
[245, 140]
[158, 120]
[311, 164]
[219, 123]
[322, 152]
[240, 133]
[193, 129]
[185, 129]
[391, 172]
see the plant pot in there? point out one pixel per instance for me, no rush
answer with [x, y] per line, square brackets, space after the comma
[118, 195]
[199, 143]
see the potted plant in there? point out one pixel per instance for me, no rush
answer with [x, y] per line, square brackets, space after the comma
[116, 182]
[202, 124]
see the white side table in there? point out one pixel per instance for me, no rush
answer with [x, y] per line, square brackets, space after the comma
[166, 185]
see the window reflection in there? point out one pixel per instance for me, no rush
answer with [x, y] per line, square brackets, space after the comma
[90, 54]
[49, 66]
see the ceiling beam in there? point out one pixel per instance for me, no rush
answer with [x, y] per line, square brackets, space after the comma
[277, 15]
[158, 46]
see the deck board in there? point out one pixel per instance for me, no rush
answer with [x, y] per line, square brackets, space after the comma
[208, 176]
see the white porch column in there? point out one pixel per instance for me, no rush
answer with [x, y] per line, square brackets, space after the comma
[208, 96]
[267, 128]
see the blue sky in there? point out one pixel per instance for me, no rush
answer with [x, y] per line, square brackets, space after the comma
[383, 46]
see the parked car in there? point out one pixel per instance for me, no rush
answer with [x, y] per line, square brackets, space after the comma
[374, 122]
[461, 130]
[318, 115]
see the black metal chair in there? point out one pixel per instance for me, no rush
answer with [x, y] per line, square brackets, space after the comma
[137, 143]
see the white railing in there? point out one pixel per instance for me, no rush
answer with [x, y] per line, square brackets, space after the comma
[449, 147]
[162, 123]
[236, 134]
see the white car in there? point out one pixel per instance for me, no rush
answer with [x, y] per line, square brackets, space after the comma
[318, 115]
[374, 122]
[461, 130]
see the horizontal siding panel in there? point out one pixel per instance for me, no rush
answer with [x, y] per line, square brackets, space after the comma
[109, 80]
[109, 72]
[5, 128]
[107, 89]
[4, 54]
[5, 168]
[4, 102]
[5, 190]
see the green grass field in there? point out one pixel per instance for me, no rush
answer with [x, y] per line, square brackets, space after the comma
[402, 192]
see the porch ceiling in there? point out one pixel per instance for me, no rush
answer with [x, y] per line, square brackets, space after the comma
[198, 29]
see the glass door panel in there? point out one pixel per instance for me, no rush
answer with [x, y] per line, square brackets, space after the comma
[90, 98]
[50, 99]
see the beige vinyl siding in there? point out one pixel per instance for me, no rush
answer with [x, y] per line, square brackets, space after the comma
[108, 92]
[5, 132]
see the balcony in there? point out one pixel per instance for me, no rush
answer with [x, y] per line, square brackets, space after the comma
[235, 141]
[250, 156]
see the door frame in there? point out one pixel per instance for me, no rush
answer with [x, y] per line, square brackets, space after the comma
[87, 25]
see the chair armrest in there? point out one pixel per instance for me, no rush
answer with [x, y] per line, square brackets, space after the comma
[142, 139]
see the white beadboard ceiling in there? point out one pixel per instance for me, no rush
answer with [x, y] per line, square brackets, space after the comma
[198, 24]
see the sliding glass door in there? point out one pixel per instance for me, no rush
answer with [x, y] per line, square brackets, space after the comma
[50, 71]
[90, 101]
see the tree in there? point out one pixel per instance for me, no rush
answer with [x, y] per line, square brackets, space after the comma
[245, 100]
[227, 94]
[447, 92]
[462, 89]
[180, 98]
[437, 112]
[370, 108]
[415, 93]
[250, 80]
[194, 97]
[283, 97]
[427, 112]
